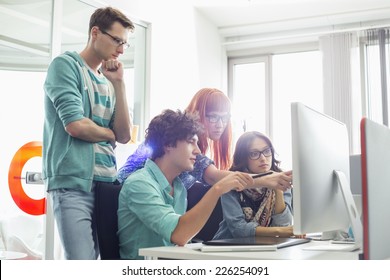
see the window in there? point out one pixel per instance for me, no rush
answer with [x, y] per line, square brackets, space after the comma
[296, 77]
[250, 88]
[261, 98]
[377, 74]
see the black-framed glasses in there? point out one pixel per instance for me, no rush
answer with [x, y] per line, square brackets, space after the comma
[118, 42]
[257, 154]
[216, 118]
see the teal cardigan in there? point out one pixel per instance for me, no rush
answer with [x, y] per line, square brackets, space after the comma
[68, 162]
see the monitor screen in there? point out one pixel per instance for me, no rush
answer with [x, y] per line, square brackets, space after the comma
[320, 153]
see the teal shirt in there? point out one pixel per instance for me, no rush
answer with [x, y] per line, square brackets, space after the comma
[147, 213]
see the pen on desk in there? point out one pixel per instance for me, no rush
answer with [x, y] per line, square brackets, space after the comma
[262, 174]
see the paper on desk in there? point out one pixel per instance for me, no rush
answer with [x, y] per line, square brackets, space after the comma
[194, 246]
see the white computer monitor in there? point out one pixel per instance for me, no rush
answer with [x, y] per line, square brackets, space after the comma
[322, 198]
[375, 143]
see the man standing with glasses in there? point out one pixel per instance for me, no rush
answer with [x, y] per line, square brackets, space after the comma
[86, 113]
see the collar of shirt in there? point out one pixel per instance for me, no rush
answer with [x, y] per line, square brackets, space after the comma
[162, 181]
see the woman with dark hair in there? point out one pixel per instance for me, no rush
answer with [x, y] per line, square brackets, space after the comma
[257, 211]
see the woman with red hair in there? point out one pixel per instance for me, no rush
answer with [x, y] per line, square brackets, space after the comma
[215, 144]
[214, 107]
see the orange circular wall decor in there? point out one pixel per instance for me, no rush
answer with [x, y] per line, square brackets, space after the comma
[22, 200]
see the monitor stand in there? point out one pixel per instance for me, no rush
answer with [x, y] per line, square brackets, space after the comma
[336, 237]
[356, 223]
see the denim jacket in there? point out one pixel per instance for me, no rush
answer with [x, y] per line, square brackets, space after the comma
[234, 224]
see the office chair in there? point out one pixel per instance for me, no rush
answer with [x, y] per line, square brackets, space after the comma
[23, 233]
[194, 194]
[106, 207]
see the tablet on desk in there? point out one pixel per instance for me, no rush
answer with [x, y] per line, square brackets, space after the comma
[238, 248]
[250, 244]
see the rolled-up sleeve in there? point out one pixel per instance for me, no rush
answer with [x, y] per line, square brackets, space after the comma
[189, 178]
[234, 216]
[62, 88]
[202, 162]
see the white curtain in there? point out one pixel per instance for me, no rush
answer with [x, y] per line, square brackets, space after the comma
[341, 78]
[377, 50]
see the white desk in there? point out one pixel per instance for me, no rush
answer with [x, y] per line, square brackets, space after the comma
[288, 253]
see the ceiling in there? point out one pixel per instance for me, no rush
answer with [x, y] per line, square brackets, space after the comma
[254, 22]
[237, 13]
[25, 24]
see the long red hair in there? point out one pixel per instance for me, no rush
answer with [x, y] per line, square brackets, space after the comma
[208, 100]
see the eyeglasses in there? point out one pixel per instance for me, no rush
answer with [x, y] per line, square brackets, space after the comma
[216, 118]
[257, 154]
[117, 41]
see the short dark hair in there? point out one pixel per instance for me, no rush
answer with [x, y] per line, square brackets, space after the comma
[105, 17]
[169, 127]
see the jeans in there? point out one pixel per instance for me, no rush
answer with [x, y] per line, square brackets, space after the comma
[74, 215]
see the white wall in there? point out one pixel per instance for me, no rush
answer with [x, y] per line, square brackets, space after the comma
[186, 52]
[21, 112]
[212, 57]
